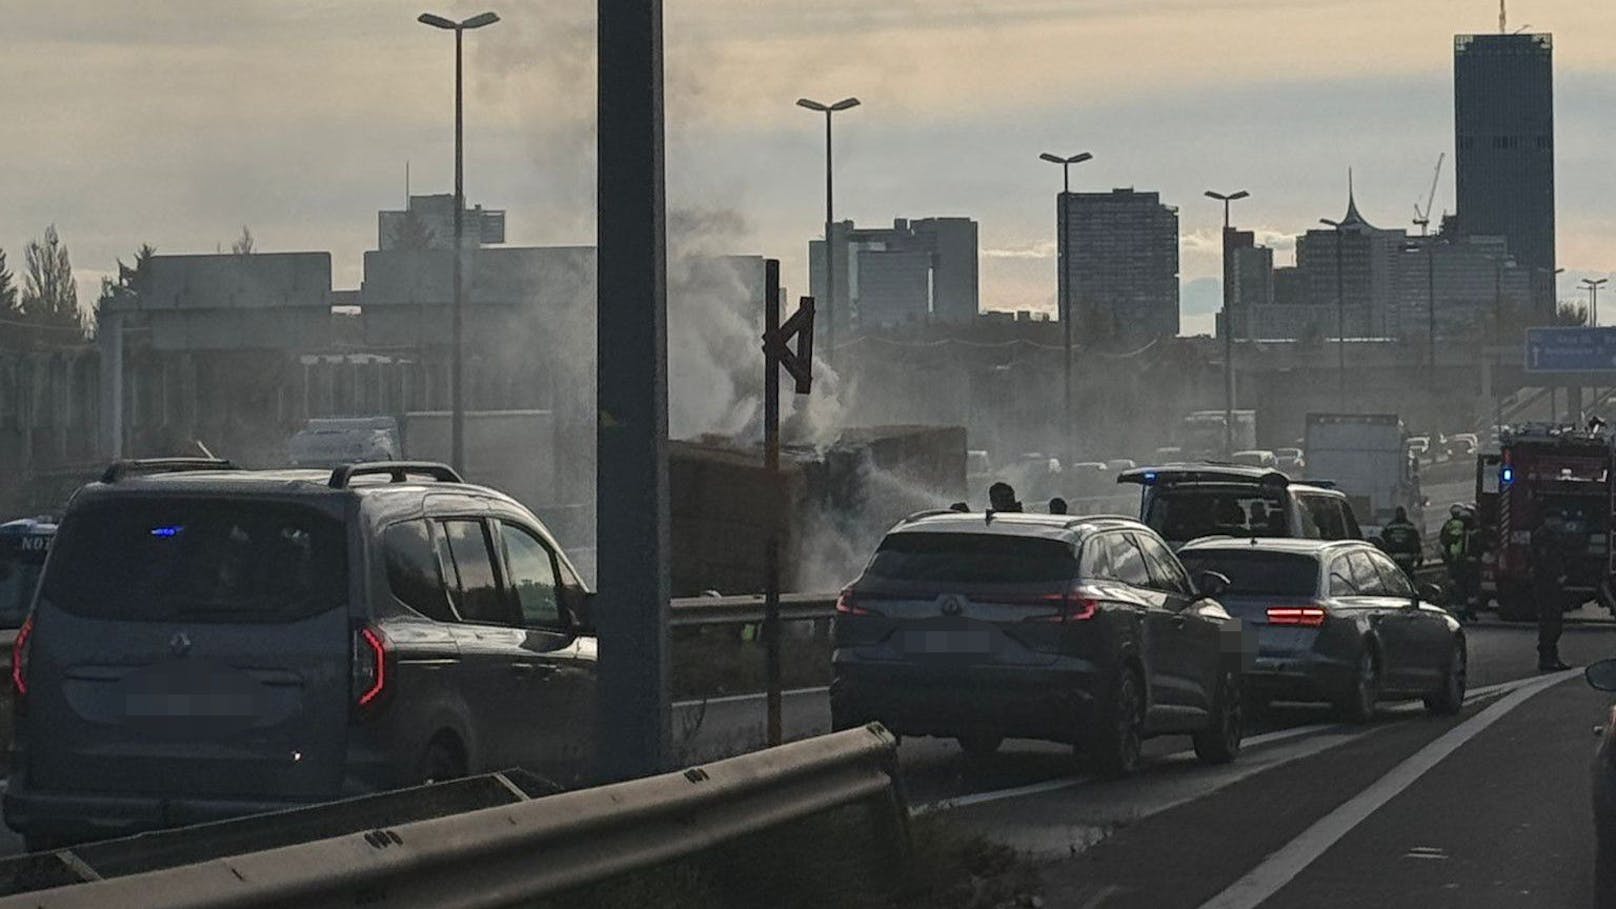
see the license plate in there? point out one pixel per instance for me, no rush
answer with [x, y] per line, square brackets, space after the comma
[948, 642]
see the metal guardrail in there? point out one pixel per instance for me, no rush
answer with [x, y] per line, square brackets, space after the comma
[511, 854]
[745, 610]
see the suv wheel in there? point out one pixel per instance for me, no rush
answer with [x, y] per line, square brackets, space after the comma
[441, 761]
[1359, 703]
[1449, 699]
[1219, 742]
[1117, 740]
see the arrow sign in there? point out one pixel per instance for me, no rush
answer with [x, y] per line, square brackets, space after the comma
[777, 345]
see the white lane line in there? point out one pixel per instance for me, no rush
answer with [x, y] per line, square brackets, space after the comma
[1283, 866]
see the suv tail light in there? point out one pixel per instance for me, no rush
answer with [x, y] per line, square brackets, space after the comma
[372, 674]
[847, 604]
[1076, 605]
[1303, 616]
[19, 660]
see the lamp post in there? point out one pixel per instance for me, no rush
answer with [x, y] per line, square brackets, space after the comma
[1340, 314]
[1063, 289]
[457, 394]
[1228, 325]
[830, 218]
[1593, 286]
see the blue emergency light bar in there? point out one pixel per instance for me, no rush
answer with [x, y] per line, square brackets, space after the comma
[1507, 475]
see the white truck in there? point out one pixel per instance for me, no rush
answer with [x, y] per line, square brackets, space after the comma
[326, 442]
[1365, 455]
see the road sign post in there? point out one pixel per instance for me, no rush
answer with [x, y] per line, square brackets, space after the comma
[1570, 350]
[778, 354]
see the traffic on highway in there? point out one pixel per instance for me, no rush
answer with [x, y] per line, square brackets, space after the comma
[588, 454]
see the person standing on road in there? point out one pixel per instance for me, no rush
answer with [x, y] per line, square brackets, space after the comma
[1549, 565]
[1002, 497]
[1475, 545]
[1057, 505]
[1453, 539]
[1402, 542]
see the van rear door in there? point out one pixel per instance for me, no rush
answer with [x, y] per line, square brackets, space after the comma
[191, 647]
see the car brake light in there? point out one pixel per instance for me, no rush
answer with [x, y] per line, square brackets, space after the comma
[847, 605]
[369, 666]
[1076, 605]
[19, 658]
[1304, 616]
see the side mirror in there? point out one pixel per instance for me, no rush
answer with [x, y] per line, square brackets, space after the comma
[582, 606]
[1430, 593]
[1212, 584]
[1601, 675]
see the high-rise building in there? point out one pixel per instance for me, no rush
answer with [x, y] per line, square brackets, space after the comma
[1250, 280]
[1503, 114]
[1123, 264]
[1354, 270]
[914, 271]
[1473, 278]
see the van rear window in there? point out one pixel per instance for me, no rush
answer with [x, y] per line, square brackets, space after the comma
[972, 558]
[198, 560]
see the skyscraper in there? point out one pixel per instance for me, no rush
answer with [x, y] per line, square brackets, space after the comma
[1124, 265]
[1503, 113]
[914, 271]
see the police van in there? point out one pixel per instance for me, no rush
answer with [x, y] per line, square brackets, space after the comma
[23, 545]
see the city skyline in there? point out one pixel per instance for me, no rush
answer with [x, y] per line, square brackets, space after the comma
[329, 104]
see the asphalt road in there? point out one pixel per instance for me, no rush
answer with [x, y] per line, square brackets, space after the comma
[1486, 809]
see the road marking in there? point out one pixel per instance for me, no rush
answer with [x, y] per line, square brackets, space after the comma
[755, 696]
[1283, 866]
[1105, 893]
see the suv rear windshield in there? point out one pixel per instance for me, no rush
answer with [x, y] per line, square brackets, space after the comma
[1253, 573]
[973, 558]
[198, 560]
[1184, 514]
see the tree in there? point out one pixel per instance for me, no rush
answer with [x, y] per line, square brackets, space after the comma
[8, 290]
[124, 291]
[49, 296]
[244, 243]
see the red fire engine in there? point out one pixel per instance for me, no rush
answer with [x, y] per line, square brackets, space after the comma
[1542, 468]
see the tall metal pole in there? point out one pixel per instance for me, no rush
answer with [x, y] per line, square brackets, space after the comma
[1430, 308]
[631, 491]
[1340, 316]
[771, 464]
[457, 369]
[1063, 254]
[830, 250]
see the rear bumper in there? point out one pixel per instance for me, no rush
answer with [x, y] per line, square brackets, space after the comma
[1287, 674]
[1055, 702]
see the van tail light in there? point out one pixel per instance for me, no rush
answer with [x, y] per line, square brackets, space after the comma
[1076, 605]
[1299, 616]
[19, 659]
[372, 669]
[847, 604]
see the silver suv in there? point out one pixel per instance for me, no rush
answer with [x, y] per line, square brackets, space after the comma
[210, 642]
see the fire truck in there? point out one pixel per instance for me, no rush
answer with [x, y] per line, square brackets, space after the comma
[1541, 468]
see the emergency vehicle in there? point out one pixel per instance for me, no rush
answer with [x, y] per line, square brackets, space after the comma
[1541, 468]
[23, 545]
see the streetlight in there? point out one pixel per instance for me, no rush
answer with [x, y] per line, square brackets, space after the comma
[1340, 314]
[830, 218]
[1228, 326]
[1593, 298]
[457, 395]
[1063, 285]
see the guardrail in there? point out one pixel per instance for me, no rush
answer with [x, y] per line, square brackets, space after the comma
[745, 610]
[537, 848]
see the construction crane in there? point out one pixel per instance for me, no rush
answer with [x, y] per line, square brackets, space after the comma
[1422, 217]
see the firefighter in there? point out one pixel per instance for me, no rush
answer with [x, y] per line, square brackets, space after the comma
[1549, 566]
[1402, 542]
[1453, 539]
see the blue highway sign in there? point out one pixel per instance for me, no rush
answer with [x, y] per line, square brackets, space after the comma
[1571, 349]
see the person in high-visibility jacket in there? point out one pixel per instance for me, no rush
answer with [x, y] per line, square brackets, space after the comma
[1455, 539]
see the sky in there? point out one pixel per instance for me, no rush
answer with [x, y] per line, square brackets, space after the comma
[177, 122]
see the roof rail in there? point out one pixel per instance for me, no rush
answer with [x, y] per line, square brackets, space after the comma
[398, 470]
[120, 469]
[928, 513]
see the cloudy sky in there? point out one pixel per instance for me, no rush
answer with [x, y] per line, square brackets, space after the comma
[175, 122]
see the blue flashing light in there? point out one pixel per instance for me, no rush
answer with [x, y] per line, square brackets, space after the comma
[1150, 477]
[1507, 475]
[170, 531]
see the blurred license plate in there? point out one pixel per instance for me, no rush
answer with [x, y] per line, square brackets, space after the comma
[948, 642]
